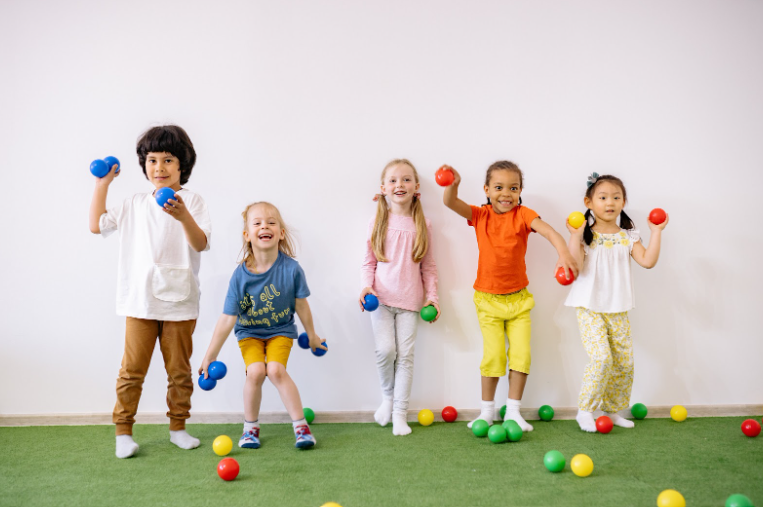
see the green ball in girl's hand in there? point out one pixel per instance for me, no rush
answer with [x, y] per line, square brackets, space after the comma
[429, 313]
[639, 411]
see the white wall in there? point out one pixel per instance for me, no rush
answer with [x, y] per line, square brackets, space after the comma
[303, 103]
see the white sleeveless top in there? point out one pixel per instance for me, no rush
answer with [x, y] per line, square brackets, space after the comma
[605, 284]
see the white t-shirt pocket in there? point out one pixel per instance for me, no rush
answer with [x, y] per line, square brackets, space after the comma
[171, 283]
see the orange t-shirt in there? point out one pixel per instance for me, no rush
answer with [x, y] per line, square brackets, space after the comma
[502, 241]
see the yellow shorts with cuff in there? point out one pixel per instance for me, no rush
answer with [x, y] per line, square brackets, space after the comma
[501, 316]
[256, 350]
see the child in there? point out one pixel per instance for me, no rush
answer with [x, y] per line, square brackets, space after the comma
[501, 297]
[265, 290]
[158, 278]
[603, 294]
[398, 269]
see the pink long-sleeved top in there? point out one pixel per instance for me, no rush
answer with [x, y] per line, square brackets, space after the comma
[400, 282]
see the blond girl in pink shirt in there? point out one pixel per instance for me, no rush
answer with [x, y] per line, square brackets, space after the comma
[400, 270]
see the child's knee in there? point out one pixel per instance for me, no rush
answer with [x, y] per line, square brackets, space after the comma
[276, 371]
[386, 353]
[255, 373]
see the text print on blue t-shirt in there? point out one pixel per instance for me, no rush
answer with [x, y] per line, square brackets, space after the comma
[250, 308]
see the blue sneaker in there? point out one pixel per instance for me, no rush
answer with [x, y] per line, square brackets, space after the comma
[305, 439]
[250, 439]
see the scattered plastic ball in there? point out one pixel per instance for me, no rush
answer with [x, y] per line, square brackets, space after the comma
[428, 313]
[480, 428]
[227, 469]
[576, 219]
[222, 445]
[561, 277]
[163, 195]
[502, 411]
[657, 216]
[738, 500]
[426, 417]
[370, 302]
[554, 461]
[444, 176]
[320, 352]
[639, 411]
[217, 370]
[678, 413]
[496, 434]
[513, 431]
[331, 504]
[581, 465]
[303, 341]
[604, 424]
[751, 428]
[546, 413]
[671, 498]
[309, 415]
[207, 384]
[449, 414]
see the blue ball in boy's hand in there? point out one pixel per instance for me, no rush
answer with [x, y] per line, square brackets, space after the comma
[163, 195]
[370, 302]
[99, 168]
[303, 341]
[320, 352]
[207, 384]
[111, 162]
[217, 370]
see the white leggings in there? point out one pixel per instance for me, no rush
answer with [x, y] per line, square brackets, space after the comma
[395, 336]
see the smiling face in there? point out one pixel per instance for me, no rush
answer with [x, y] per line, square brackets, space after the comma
[163, 170]
[503, 190]
[606, 202]
[263, 227]
[399, 184]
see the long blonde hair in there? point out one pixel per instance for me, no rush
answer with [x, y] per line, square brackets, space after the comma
[285, 245]
[382, 217]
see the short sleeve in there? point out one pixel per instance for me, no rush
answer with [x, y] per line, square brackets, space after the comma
[231, 306]
[301, 289]
[200, 213]
[109, 221]
[633, 235]
[476, 215]
[528, 216]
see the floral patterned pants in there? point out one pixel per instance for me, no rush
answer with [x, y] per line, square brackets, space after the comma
[608, 377]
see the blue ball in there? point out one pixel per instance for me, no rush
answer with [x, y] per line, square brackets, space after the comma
[303, 341]
[217, 370]
[163, 195]
[371, 302]
[207, 384]
[320, 352]
[99, 168]
[111, 162]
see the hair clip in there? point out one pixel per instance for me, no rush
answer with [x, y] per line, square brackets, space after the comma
[592, 179]
[377, 196]
[417, 195]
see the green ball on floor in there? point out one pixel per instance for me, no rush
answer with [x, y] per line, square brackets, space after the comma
[513, 431]
[309, 415]
[639, 411]
[480, 428]
[546, 413]
[502, 411]
[496, 434]
[738, 500]
[554, 461]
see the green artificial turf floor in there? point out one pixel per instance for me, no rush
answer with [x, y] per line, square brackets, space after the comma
[363, 465]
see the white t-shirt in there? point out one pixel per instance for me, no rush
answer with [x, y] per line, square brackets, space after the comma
[605, 284]
[158, 275]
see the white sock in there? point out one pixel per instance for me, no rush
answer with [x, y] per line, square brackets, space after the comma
[512, 413]
[182, 439]
[384, 412]
[586, 421]
[249, 426]
[301, 422]
[487, 413]
[126, 446]
[400, 423]
[618, 420]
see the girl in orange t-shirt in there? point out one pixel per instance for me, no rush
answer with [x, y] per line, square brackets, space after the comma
[501, 297]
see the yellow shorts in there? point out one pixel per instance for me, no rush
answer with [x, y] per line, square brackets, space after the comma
[501, 316]
[255, 350]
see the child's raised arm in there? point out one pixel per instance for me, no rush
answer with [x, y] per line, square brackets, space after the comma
[450, 197]
[98, 203]
[306, 317]
[566, 260]
[222, 330]
[647, 257]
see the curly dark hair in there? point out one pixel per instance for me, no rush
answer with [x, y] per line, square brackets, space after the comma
[168, 139]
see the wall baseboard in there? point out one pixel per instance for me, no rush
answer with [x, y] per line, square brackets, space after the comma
[347, 416]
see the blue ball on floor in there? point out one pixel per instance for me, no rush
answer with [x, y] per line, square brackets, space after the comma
[303, 341]
[163, 195]
[370, 302]
[207, 384]
[217, 370]
[320, 352]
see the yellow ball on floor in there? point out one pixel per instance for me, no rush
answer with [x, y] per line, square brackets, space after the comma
[426, 417]
[581, 465]
[222, 445]
[671, 498]
[678, 413]
[331, 504]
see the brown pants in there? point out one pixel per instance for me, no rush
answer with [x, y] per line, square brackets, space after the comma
[176, 344]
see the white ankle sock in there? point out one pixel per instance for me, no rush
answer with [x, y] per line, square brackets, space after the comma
[301, 422]
[249, 426]
[512, 413]
[487, 413]
[384, 412]
[126, 446]
[182, 439]
[618, 420]
[400, 423]
[586, 421]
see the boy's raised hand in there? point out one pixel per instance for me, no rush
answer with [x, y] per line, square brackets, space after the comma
[176, 209]
[108, 178]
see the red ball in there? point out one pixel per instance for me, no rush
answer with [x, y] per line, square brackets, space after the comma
[227, 469]
[562, 278]
[449, 414]
[604, 424]
[444, 176]
[751, 428]
[657, 216]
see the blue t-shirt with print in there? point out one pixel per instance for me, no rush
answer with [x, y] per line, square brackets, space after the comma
[265, 303]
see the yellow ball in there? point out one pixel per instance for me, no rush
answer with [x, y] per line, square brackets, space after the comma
[426, 417]
[576, 219]
[671, 498]
[678, 413]
[222, 445]
[331, 504]
[581, 465]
